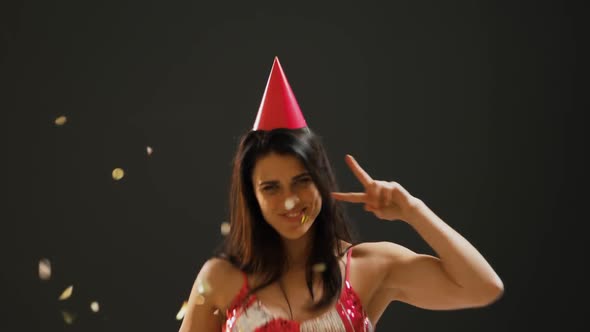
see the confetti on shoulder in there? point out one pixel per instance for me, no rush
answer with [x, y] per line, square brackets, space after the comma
[182, 311]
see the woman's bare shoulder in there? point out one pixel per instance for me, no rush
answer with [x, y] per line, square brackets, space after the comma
[218, 267]
[220, 280]
[369, 268]
[382, 251]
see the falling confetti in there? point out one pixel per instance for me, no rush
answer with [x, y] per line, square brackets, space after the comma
[182, 311]
[216, 312]
[319, 267]
[66, 293]
[68, 317]
[118, 173]
[289, 203]
[44, 269]
[149, 150]
[94, 306]
[61, 120]
[225, 228]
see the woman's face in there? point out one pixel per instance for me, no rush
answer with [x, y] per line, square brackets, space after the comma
[286, 193]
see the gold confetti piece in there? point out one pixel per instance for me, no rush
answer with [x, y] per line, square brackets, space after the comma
[68, 317]
[182, 311]
[303, 219]
[149, 150]
[94, 306]
[200, 299]
[118, 173]
[216, 312]
[66, 293]
[319, 267]
[225, 228]
[44, 269]
[61, 120]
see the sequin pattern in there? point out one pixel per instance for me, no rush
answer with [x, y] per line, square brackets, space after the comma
[347, 316]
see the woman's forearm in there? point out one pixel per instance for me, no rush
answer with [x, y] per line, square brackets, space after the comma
[461, 260]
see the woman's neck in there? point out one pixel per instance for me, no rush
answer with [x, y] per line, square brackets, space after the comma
[298, 251]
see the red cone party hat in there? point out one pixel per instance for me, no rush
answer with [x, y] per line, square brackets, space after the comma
[279, 108]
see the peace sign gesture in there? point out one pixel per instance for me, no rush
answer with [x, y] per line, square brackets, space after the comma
[387, 200]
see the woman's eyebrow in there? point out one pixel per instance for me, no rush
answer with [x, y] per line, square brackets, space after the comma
[295, 178]
[302, 175]
[268, 182]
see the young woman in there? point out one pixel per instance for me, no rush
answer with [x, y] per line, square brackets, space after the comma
[289, 262]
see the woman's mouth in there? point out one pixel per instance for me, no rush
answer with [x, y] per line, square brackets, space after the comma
[294, 216]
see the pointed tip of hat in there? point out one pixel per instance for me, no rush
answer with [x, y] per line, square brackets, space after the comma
[275, 62]
[279, 107]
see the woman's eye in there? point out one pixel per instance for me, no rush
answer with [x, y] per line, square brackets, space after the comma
[304, 180]
[269, 188]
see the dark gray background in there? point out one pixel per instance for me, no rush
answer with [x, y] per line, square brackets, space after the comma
[473, 106]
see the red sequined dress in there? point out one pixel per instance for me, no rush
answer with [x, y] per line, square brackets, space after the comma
[347, 316]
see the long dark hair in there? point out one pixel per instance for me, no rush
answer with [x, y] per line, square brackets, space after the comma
[252, 245]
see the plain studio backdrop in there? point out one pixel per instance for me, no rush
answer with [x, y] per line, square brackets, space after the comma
[471, 105]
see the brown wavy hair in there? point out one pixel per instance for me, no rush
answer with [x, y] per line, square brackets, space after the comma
[252, 245]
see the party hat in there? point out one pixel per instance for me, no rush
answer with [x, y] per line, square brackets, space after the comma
[279, 108]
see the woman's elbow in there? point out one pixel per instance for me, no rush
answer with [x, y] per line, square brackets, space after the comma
[489, 293]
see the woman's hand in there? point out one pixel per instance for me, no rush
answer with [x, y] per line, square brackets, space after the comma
[387, 200]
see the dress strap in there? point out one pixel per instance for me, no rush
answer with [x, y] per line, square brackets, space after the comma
[245, 284]
[348, 255]
[239, 298]
[244, 290]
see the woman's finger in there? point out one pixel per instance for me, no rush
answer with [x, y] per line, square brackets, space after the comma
[381, 194]
[358, 171]
[350, 197]
[388, 196]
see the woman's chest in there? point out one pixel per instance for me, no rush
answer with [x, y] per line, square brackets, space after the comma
[292, 299]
